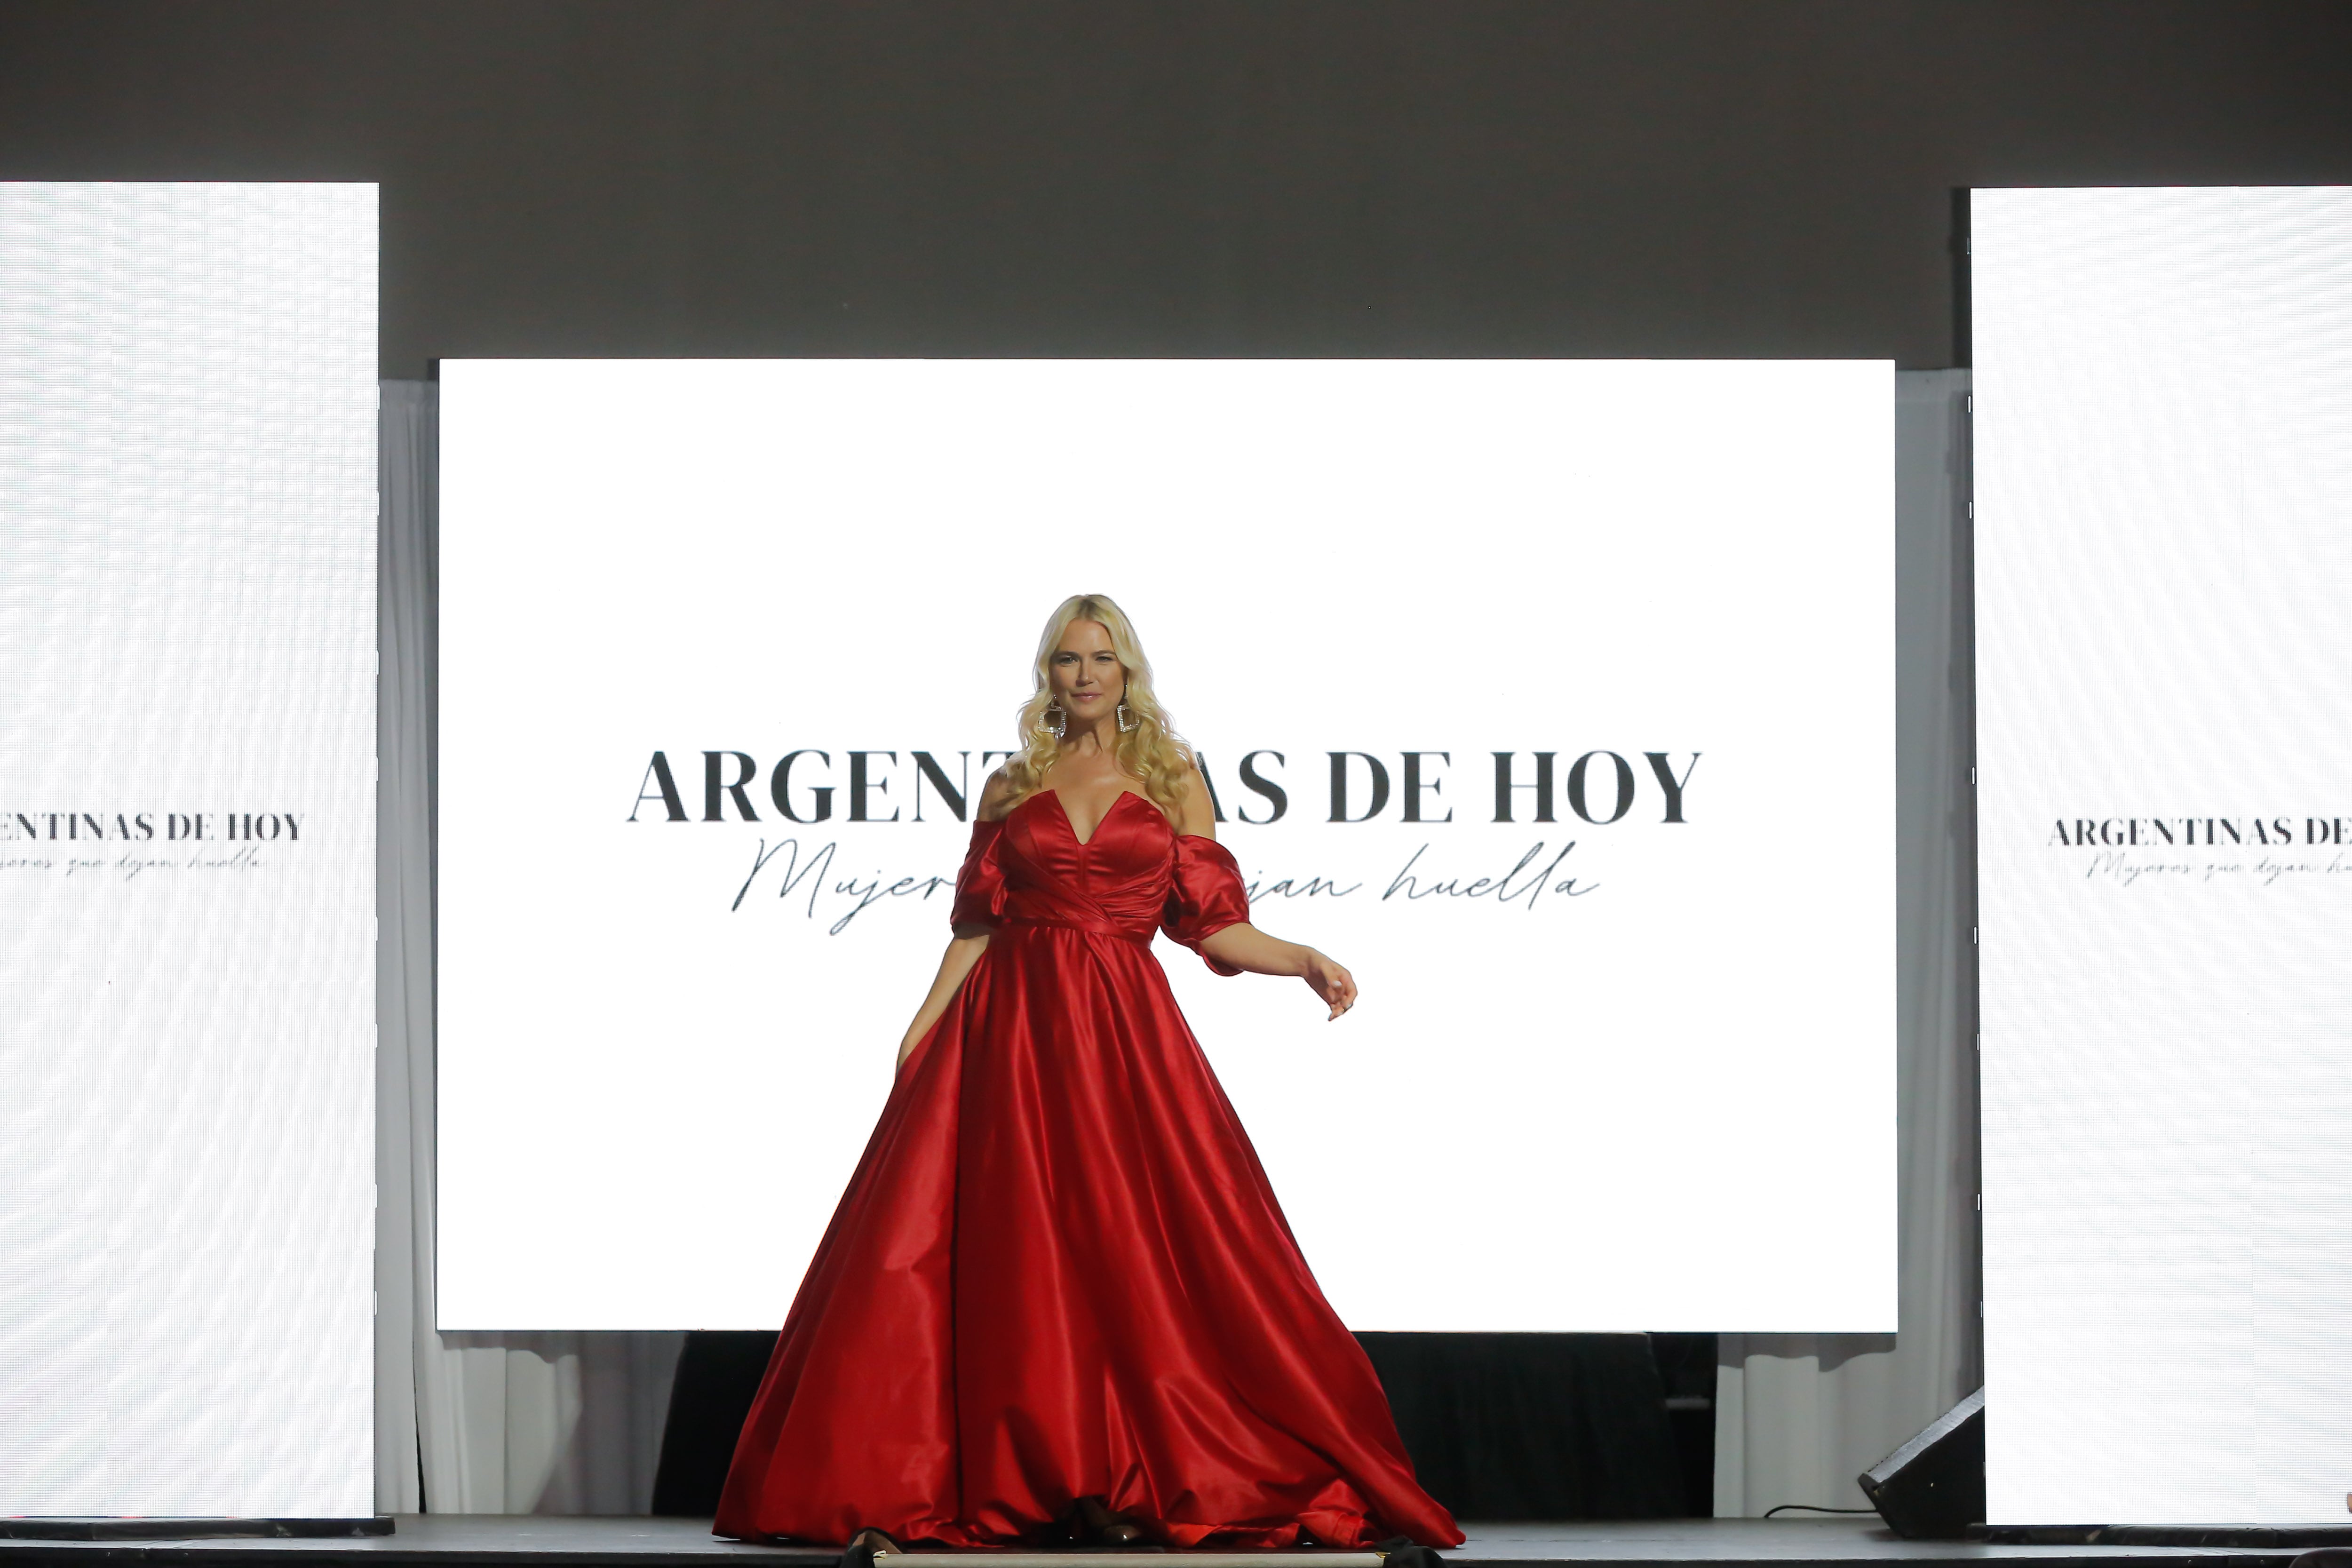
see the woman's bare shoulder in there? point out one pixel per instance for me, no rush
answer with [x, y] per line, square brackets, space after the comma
[995, 798]
[1196, 811]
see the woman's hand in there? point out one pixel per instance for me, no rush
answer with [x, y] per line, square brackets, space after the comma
[1243, 946]
[963, 952]
[1329, 981]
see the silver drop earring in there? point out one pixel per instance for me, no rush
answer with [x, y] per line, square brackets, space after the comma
[1126, 719]
[1058, 722]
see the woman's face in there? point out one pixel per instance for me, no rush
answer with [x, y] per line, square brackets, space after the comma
[1086, 679]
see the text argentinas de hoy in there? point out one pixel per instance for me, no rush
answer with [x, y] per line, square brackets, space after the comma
[2188, 832]
[79, 843]
[1600, 787]
[148, 826]
[2114, 841]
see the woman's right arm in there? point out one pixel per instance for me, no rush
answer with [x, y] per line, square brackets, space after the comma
[963, 951]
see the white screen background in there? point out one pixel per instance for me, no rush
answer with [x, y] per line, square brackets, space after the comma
[187, 629]
[2164, 537]
[1594, 1114]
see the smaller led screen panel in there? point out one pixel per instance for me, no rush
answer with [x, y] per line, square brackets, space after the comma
[2164, 566]
[187, 849]
[1555, 699]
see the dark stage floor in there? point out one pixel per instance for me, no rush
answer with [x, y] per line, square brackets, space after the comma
[448, 1541]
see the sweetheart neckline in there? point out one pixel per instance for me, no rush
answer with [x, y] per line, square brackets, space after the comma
[1083, 843]
[1071, 823]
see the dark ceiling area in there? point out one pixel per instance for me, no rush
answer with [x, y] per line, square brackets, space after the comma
[1668, 178]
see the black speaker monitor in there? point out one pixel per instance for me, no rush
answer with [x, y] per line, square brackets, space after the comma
[1933, 1487]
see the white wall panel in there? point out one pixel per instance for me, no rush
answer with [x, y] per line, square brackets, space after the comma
[2164, 537]
[187, 629]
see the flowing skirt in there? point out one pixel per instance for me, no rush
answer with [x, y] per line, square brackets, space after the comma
[1060, 1272]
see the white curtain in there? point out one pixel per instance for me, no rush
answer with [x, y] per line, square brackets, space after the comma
[1799, 1416]
[473, 1423]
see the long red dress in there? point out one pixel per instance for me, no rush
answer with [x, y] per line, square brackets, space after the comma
[1058, 1272]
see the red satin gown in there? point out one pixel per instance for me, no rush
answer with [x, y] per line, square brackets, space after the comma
[1058, 1272]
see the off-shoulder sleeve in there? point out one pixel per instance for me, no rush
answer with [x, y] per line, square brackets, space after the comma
[1205, 897]
[980, 886]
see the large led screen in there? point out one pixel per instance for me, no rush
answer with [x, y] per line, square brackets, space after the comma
[2164, 596]
[187, 849]
[1554, 699]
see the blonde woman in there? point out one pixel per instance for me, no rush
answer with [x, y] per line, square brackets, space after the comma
[1058, 1302]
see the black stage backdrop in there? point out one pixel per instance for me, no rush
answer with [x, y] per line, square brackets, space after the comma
[1644, 178]
[1499, 1426]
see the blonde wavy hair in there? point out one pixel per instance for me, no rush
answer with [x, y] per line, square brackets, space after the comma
[1152, 752]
